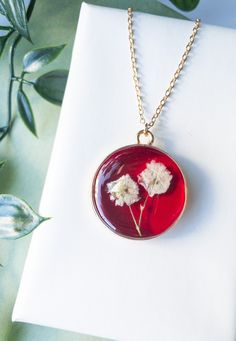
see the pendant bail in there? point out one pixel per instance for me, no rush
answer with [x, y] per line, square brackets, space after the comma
[145, 135]
[146, 128]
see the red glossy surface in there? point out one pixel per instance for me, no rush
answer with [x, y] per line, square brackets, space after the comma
[161, 210]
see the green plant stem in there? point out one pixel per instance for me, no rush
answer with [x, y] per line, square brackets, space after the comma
[22, 80]
[10, 86]
[12, 77]
[142, 207]
[12, 74]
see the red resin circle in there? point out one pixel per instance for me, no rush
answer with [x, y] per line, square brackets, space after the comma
[125, 204]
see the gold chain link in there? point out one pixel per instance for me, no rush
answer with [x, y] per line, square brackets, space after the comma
[164, 99]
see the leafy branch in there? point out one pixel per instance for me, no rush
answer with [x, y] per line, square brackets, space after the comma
[16, 216]
[50, 86]
[33, 61]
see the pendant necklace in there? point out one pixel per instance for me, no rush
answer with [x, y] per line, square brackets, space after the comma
[139, 191]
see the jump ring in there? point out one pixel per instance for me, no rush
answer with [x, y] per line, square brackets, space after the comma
[147, 134]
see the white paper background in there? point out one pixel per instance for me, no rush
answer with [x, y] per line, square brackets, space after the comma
[181, 286]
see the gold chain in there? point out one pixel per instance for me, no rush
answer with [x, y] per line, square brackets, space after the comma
[164, 99]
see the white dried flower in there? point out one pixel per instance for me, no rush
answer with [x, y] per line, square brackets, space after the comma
[123, 191]
[155, 178]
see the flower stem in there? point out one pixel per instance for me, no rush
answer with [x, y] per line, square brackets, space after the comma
[142, 207]
[135, 223]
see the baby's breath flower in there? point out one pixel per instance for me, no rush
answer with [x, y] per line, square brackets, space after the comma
[155, 178]
[123, 191]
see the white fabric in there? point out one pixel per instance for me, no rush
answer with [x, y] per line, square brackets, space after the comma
[82, 277]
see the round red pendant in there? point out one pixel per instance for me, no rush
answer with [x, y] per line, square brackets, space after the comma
[139, 191]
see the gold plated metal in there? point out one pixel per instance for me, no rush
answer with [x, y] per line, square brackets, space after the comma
[147, 135]
[168, 92]
[146, 238]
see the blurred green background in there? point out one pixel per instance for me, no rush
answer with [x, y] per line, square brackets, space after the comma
[52, 23]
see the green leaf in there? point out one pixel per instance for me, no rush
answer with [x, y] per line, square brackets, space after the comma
[25, 111]
[17, 219]
[3, 41]
[30, 9]
[2, 8]
[5, 28]
[16, 14]
[2, 163]
[3, 129]
[185, 5]
[34, 60]
[51, 85]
